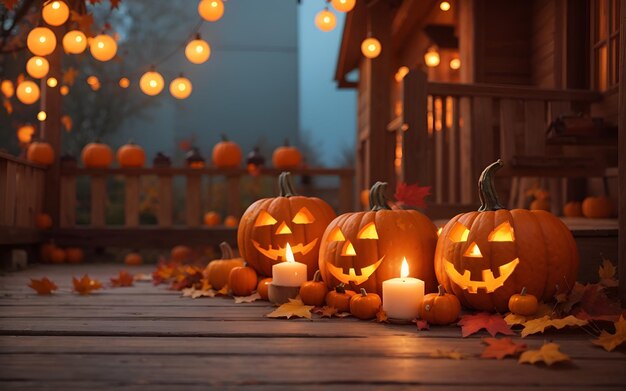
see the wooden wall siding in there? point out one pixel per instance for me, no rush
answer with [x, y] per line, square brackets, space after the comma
[21, 192]
[622, 157]
[502, 44]
[543, 43]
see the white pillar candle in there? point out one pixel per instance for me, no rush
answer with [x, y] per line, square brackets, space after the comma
[403, 296]
[289, 273]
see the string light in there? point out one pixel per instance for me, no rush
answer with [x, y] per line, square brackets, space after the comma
[198, 50]
[7, 87]
[55, 13]
[37, 67]
[64, 90]
[325, 20]
[25, 133]
[402, 71]
[371, 47]
[431, 58]
[444, 6]
[103, 47]
[41, 116]
[41, 41]
[343, 5]
[52, 82]
[180, 88]
[455, 63]
[74, 42]
[124, 82]
[151, 83]
[27, 92]
[211, 10]
[93, 80]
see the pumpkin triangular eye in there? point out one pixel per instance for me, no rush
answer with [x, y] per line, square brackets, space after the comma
[368, 232]
[459, 233]
[502, 233]
[264, 218]
[304, 216]
[336, 235]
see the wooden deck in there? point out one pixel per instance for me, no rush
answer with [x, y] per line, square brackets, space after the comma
[146, 336]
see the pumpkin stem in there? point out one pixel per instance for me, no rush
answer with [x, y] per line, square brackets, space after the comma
[378, 201]
[486, 189]
[286, 144]
[227, 251]
[341, 288]
[363, 292]
[441, 290]
[285, 185]
[223, 136]
[317, 277]
[523, 292]
[131, 141]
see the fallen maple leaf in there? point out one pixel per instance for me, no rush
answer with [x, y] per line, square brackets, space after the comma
[326, 311]
[607, 273]
[411, 195]
[123, 279]
[610, 341]
[44, 286]
[568, 301]
[540, 324]
[381, 317]
[223, 291]
[247, 299]
[514, 319]
[292, 308]
[422, 325]
[85, 285]
[493, 323]
[596, 305]
[500, 348]
[196, 293]
[549, 353]
[452, 354]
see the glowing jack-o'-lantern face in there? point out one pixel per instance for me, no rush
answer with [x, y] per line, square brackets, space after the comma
[363, 249]
[485, 257]
[269, 224]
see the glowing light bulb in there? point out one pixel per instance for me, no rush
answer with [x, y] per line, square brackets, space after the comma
[211, 10]
[124, 82]
[455, 64]
[41, 116]
[52, 82]
[197, 51]
[325, 20]
[55, 13]
[74, 42]
[41, 41]
[371, 47]
[151, 83]
[431, 58]
[444, 6]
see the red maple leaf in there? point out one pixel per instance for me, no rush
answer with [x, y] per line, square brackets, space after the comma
[123, 279]
[44, 286]
[500, 348]
[85, 285]
[115, 4]
[596, 305]
[411, 195]
[493, 323]
[422, 325]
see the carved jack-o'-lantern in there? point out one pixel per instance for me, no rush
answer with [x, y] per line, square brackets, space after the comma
[363, 249]
[270, 223]
[485, 257]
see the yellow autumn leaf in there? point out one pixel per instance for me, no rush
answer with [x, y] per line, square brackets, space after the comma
[549, 353]
[607, 272]
[610, 341]
[540, 324]
[294, 307]
[247, 299]
[513, 319]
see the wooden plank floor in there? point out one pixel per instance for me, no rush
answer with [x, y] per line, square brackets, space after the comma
[148, 337]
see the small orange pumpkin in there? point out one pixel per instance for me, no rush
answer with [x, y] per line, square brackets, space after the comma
[540, 204]
[43, 221]
[180, 254]
[131, 155]
[133, 259]
[597, 207]
[46, 252]
[440, 308]
[286, 156]
[41, 153]
[74, 255]
[523, 303]
[339, 298]
[212, 219]
[218, 270]
[365, 305]
[262, 288]
[314, 292]
[573, 209]
[242, 280]
[57, 255]
[231, 221]
[226, 154]
[97, 155]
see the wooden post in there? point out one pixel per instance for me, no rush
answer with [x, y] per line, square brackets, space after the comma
[622, 157]
[234, 196]
[415, 141]
[98, 200]
[7, 192]
[164, 213]
[193, 199]
[68, 201]
[346, 193]
[131, 200]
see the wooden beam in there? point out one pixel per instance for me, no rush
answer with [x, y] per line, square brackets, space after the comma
[354, 31]
[622, 157]
[512, 92]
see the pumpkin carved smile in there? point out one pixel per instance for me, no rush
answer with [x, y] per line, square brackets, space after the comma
[277, 252]
[489, 282]
[351, 276]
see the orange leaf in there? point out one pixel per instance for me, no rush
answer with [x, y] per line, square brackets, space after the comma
[381, 317]
[326, 311]
[500, 348]
[549, 354]
[123, 279]
[43, 286]
[294, 307]
[85, 285]
[610, 341]
[493, 323]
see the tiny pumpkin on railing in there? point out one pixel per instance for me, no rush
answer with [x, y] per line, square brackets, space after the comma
[226, 154]
[255, 161]
[40, 152]
[363, 249]
[597, 207]
[161, 160]
[194, 159]
[485, 257]
[286, 157]
[270, 223]
[97, 155]
[131, 155]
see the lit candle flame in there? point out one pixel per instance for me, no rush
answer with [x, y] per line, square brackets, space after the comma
[404, 270]
[289, 254]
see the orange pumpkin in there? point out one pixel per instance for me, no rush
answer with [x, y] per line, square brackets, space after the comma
[74, 255]
[262, 288]
[226, 154]
[339, 298]
[440, 308]
[212, 219]
[573, 209]
[597, 207]
[97, 155]
[180, 254]
[43, 221]
[365, 305]
[314, 292]
[57, 255]
[365, 198]
[523, 304]
[286, 157]
[131, 155]
[540, 204]
[363, 249]
[270, 223]
[46, 252]
[242, 280]
[41, 153]
[485, 257]
[218, 270]
[133, 259]
[231, 221]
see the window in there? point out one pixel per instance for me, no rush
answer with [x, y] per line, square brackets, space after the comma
[605, 43]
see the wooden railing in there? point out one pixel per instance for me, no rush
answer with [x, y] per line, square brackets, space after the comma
[452, 131]
[21, 197]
